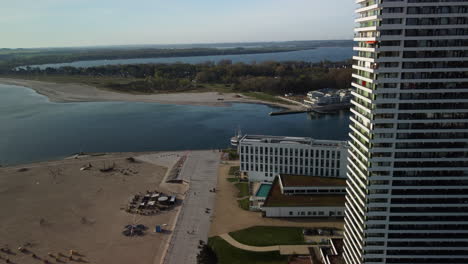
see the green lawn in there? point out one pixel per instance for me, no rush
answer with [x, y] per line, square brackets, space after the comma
[233, 180]
[233, 155]
[234, 171]
[243, 188]
[228, 254]
[213, 87]
[106, 82]
[244, 203]
[266, 97]
[269, 236]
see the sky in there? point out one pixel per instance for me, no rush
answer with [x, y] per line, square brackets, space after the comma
[72, 23]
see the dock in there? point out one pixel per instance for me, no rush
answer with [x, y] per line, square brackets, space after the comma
[326, 109]
[289, 112]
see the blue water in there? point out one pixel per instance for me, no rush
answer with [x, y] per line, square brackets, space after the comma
[313, 55]
[263, 190]
[34, 129]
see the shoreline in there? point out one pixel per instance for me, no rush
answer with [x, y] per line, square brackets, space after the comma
[72, 92]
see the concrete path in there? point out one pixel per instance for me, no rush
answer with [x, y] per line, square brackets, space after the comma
[236, 244]
[193, 224]
[283, 249]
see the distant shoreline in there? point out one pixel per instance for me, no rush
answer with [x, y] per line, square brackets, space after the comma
[73, 56]
[169, 57]
[72, 92]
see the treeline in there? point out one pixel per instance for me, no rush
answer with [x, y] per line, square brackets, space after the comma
[268, 77]
[10, 59]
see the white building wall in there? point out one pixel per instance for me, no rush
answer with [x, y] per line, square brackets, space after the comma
[263, 161]
[304, 211]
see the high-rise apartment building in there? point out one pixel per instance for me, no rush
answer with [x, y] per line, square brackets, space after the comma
[407, 195]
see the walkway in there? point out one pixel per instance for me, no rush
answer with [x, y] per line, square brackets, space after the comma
[193, 224]
[283, 249]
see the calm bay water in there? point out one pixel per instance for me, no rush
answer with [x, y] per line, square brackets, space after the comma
[312, 55]
[34, 129]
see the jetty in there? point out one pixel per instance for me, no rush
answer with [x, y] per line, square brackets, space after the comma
[326, 109]
[289, 112]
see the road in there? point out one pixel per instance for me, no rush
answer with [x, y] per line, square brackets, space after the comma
[193, 224]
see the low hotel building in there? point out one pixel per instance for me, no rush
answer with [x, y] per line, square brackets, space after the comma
[262, 158]
[305, 196]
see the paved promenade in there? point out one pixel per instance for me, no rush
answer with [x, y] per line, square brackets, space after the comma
[193, 224]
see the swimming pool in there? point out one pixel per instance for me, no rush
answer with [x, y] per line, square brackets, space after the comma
[263, 190]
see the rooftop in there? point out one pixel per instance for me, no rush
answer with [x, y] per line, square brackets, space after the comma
[311, 181]
[292, 140]
[276, 199]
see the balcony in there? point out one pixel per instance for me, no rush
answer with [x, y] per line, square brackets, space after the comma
[363, 85]
[360, 132]
[431, 164]
[432, 136]
[363, 115]
[432, 183]
[433, 126]
[366, 8]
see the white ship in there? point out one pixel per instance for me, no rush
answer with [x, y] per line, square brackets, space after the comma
[235, 139]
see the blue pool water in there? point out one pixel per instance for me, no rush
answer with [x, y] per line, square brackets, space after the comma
[263, 190]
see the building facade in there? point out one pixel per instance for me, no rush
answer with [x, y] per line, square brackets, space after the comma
[328, 97]
[264, 157]
[305, 196]
[407, 196]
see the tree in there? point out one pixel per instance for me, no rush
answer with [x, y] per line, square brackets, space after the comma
[268, 77]
[280, 70]
[207, 256]
[224, 62]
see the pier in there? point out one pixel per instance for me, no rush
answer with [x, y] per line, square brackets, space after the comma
[326, 109]
[289, 112]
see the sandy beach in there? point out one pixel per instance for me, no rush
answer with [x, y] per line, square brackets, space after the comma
[59, 92]
[54, 207]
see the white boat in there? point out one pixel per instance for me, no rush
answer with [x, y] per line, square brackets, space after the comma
[235, 139]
